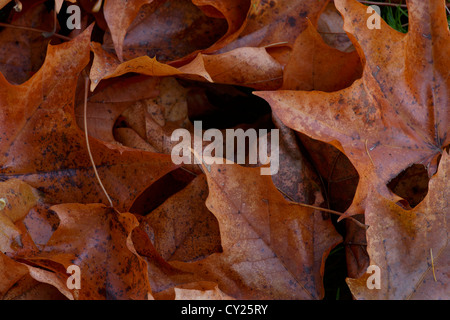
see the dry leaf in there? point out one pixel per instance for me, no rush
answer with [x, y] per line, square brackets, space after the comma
[42, 145]
[409, 246]
[22, 52]
[183, 228]
[119, 15]
[313, 65]
[16, 199]
[272, 248]
[106, 66]
[388, 120]
[97, 239]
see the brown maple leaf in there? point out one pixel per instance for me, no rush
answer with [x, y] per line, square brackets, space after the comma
[276, 22]
[119, 15]
[41, 144]
[183, 228]
[23, 51]
[107, 65]
[398, 113]
[314, 65]
[409, 246]
[108, 102]
[97, 239]
[272, 248]
[165, 29]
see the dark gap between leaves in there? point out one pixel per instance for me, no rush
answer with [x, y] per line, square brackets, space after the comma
[411, 184]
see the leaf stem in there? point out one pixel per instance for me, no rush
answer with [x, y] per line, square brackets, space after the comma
[359, 224]
[86, 88]
[7, 25]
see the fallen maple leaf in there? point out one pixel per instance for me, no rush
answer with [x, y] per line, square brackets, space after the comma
[119, 15]
[247, 66]
[108, 102]
[388, 120]
[314, 65]
[41, 144]
[272, 248]
[409, 246]
[107, 65]
[183, 228]
[252, 67]
[97, 239]
[169, 30]
[229, 233]
[23, 51]
[276, 22]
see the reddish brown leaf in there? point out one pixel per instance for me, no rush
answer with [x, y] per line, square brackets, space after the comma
[22, 52]
[250, 67]
[27, 288]
[276, 22]
[313, 65]
[106, 104]
[119, 15]
[272, 248]
[107, 65]
[42, 145]
[409, 246]
[167, 30]
[97, 239]
[16, 199]
[388, 120]
[183, 228]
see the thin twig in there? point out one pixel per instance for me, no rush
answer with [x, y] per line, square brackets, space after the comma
[86, 88]
[7, 25]
[359, 224]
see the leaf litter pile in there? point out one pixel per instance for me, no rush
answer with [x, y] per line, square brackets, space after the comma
[87, 178]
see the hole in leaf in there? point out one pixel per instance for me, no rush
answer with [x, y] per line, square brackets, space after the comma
[411, 184]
